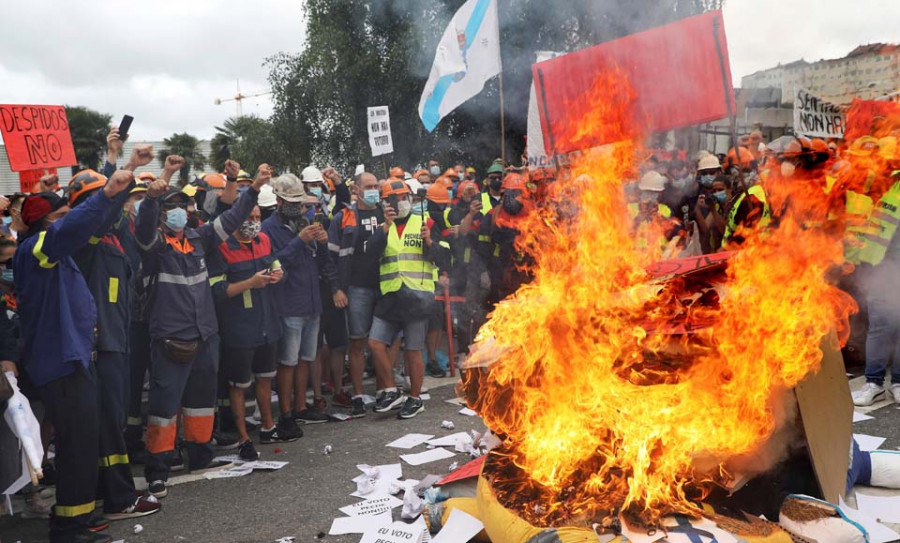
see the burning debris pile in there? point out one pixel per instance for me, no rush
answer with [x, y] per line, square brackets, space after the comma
[623, 394]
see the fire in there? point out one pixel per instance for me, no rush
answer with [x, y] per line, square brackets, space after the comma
[606, 409]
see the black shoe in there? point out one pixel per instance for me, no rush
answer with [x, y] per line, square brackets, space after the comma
[82, 536]
[247, 452]
[311, 416]
[284, 432]
[214, 465]
[223, 442]
[358, 408]
[158, 489]
[411, 408]
[176, 461]
[391, 400]
[96, 522]
[435, 371]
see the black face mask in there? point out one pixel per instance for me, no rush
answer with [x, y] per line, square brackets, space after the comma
[511, 204]
[496, 183]
[436, 212]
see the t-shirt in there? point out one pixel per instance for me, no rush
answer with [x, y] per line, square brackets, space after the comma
[364, 268]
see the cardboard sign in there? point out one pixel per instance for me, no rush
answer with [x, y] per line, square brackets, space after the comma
[472, 469]
[816, 118]
[380, 139]
[667, 269]
[36, 137]
[29, 178]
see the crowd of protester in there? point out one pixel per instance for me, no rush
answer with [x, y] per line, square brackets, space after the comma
[173, 309]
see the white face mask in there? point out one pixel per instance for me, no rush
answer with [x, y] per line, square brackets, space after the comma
[403, 209]
[787, 169]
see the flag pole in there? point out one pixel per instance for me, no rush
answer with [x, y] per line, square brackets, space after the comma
[502, 110]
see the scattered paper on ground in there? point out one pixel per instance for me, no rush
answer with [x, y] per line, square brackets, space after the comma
[459, 528]
[398, 532]
[385, 476]
[264, 465]
[450, 440]
[878, 532]
[374, 506]
[238, 471]
[456, 401]
[868, 443]
[882, 508]
[359, 525]
[409, 441]
[432, 455]
[424, 396]
[859, 417]
[467, 412]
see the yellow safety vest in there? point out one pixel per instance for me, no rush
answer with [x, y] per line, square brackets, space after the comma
[757, 191]
[883, 222]
[857, 210]
[486, 205]
[663, 210]
[404, 261]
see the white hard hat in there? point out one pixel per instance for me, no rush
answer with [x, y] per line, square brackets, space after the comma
[652, 181]
[266, 196]
[709, 162]
[289, 188]
[414, 185]
[700, 154]
[311, 174]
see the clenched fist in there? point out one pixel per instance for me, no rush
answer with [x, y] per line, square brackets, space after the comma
[119, 181]
[263, 176]
[141, 155]
[157, 188]
[232, 168]
[173, 164]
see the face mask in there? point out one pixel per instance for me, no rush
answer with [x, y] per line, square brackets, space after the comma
[435, 211]
[176, 219]
[250, 229]
[370, 197]
[403, 209]
[787, 169]
[720, 196]
[291, 210]
[511, 205]
[461, 174]
[435, 171]
[7, 276]
[496, 184]
[7, 221]
[707, 180]
[417, 208]
[317, 192]
[450, 193]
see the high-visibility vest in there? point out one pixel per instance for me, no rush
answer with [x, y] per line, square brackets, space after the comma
[486, 204]
[404, 261]
[760, 194]
[663, 210]
[857, 209]
[883, 222]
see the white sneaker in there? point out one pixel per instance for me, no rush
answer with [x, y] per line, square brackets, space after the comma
[894, 391]
[868, 394]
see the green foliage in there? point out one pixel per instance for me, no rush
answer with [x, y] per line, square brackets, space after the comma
[361, 53]
[187, 146]
[249, 140]
[89, 129]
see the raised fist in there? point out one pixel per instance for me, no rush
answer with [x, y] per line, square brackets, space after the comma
[232, 168]
[263, 176]
[157, 188]
[119, 181]
[173, 163]
[141, 155]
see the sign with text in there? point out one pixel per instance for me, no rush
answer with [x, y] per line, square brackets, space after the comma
[380, 139]
[36, 137]
[29, 178]
[816, 118]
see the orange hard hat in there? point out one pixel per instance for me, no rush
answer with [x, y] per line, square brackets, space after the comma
[420, 173]
[818, 145]
[467, 185]
[84, 183]
[438, 194]
[215, 180]
[146, 177]
[397, 172]
[451, 172]
[731, 159]
[394, 186]
[513, 181]
[798, 147]
[444, 180]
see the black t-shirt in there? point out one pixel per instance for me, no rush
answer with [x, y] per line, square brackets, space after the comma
[364, 268]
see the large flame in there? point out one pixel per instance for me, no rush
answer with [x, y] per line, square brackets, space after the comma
[602, 408]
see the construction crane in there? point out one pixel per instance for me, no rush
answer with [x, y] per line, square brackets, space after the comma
[239, 97]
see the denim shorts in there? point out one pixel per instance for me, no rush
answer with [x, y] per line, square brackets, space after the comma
[299, 340]
[413, 332]
[360, 309]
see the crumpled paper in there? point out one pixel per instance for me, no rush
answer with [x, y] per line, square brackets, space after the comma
[412, 505]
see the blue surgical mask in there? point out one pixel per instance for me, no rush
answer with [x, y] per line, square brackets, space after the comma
[176, 219]
[707, 180]
[418, 208]
[316, 191]
[435, 171]
[7, 221]
[370, 197]
[720, 196]
[450, 194]
[7, 276]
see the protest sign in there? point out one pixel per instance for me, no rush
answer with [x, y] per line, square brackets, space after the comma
[816, 118]
[380, 139]
[29, 178]
[36, 137]
[398, 532]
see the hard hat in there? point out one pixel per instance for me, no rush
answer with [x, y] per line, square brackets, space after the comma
[470, 169]
[244, 176]
[495, 168]
[175, 197]
[731, 159]
[709, 162]
[698, 156]
[652, 181]
[799, 146]
[466, 185]
[444, 180]
[266, 196]
[190, 190]
[311, 174]
[438, 194]
[513, 181]
[83, 184]
[147, 177]
[887, 147]
[863, 146]
[394, 186]
[289, 188]
[414, 185]
[215, 180]
[451, 172]
[420, 173]
[139, 187]
[818, 145]
[396, 171]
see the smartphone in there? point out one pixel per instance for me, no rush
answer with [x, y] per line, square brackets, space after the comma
[125, 126]
[394, 201]
[320, 218]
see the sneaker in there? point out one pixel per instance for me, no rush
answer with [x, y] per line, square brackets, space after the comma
[140, 508]
[85, 535]
[281, 433]
[435, 371]
[894, 391]
[411, 408]
[342, 399]
[247, 452]
[392, 399]
[868, 394]
[176, 461]
[311, 416]
[358, 409]
[96, 522]
[158, 489]
[35, 507]
[223, 442]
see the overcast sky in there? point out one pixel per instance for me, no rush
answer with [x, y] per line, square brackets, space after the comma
[164, 62]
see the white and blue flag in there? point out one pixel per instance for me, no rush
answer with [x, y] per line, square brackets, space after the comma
[466, 57]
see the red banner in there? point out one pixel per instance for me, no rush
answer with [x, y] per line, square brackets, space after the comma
[674, 70]
[36, 137]
[29, 178]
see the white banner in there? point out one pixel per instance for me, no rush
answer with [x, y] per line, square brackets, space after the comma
[537, 155]
[816, 118]
[380, 139]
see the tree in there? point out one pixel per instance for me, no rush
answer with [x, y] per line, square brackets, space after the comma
[188, 147]
[361, 53]
[89, 129]
[248, 140]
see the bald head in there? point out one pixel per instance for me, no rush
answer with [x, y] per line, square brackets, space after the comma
[368, 180]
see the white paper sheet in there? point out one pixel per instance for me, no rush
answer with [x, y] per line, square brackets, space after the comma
[432, 455]
[859, 417]
[882, 508]
[868, 443]
[449, 440]
[238, 471]
[459, 528]
[878, 532]
[409, 441]
[266, 465]
[424, 396]
[371, 507]
[640, 536]
[360, 525]
[387, 476]
[467, 412]
[398, 532]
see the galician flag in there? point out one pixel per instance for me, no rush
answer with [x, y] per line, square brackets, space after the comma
[467, 56]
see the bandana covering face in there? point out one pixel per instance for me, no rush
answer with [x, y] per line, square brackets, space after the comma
[250, 229]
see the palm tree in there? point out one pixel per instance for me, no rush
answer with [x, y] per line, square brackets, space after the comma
[89, 129]
[187, 146]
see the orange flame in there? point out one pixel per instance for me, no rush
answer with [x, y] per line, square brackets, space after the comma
[602, 409]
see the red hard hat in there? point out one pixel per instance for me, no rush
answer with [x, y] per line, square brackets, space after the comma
[513, 181]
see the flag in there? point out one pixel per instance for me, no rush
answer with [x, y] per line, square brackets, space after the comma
[466, 57]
